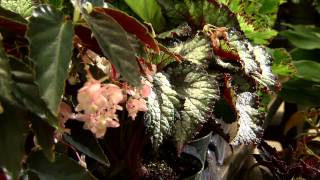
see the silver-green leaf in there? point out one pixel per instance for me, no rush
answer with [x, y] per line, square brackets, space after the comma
[162, 110]
[199, 92]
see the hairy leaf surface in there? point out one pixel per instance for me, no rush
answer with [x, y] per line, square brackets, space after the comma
[162, 104]
[50, 35]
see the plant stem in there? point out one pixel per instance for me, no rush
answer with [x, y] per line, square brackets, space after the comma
[272, 111]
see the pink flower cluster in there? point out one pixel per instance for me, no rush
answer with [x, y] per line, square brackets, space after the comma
[98, 104]
[136, 101]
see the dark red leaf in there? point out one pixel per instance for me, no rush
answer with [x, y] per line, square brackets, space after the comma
[14, 27]
[133, 26]
[85, 38]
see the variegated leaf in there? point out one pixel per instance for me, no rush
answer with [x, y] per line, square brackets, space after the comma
[199, 92]
[162, 105]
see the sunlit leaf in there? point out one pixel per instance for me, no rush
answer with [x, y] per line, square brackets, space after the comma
[149, 11]
[308, 70]
[114, 44]
[50, 35]
[62, 168]
[162, 110]
[302, 54]
[282, 64]
[303, 37]
[296, 119]
[256, 18]
[22, 7]
[301, 91]
[13, 133]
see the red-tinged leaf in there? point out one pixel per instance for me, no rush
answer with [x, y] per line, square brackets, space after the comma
[245, 105]
[115, 44]
[175, 56]
[12, 22]
[133, 26]
[85, 38]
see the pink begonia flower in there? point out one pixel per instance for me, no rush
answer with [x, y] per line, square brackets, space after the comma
[98, 104]
[146, 90]
[65, 113]
[135, 105]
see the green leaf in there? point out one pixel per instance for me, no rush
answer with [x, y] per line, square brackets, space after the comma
[308, 70]
[300, 54]
[183, 30]
[199, 92]
[256, 18]
[162, 103]
[13, 134]
[149, 11]
[85, 142]
[63, 168]
[115, 45]
[261, 37]
[5, 76]
[282, 64]
[27, 91]
[303, 36]
[301, 91]
[22, 7]
[197, 13]
[50, 35]
[197, 50]
[44, 134]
